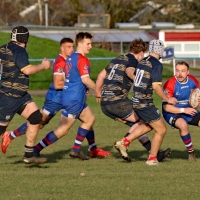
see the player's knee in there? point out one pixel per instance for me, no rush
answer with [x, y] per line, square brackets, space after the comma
[163, 131]
[183, 127]
[91, 120]
[181, 124]
[2, 129]
[35, 117]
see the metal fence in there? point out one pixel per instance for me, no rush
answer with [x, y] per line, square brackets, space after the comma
[193, 62]
[52, 59]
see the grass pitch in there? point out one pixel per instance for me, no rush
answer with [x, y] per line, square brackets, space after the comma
[96, 179]
[110, 178]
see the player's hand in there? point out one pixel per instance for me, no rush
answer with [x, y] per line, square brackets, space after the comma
[199, 100]
[172, 100]
[190, 111]
[46, 63]
[98, 99]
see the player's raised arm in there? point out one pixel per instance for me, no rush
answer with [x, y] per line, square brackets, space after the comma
[33, 69]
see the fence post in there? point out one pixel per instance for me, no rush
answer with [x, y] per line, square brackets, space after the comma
[194, 63]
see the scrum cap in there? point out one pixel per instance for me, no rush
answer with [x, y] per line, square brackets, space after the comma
[20, 34]
[156, 46]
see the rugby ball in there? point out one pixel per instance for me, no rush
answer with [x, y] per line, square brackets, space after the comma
[193, 100]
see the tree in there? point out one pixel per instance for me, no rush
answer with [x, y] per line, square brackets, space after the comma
[65, 12]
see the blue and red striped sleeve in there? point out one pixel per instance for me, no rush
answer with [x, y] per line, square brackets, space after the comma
[169, 87]
[83, 66]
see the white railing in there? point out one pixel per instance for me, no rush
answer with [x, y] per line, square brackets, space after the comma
[194, 62]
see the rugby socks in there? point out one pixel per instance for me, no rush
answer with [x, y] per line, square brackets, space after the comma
[48, 140]
[147, 145]
[18, 132]
[151, 157]
[126, 142]
[29, 151]
[82, 133]
[188, 142]
[91, 140]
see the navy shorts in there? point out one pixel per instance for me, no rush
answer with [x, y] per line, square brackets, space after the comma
[9, 106]
[50, 107]
[121, 109]
[148, 114]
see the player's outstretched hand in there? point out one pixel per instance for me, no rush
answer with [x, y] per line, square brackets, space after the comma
[98, 99]
[190, 111]
[172, 100]
[46, 63]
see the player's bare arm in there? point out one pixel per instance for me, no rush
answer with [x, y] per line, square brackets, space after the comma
[159, 91]
[99, 85]
[175, 110]
[88, 82]
[33, 69]
[58, 81]
[130, 72]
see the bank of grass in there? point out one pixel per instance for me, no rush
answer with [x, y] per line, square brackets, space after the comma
[108, 179]
[38, 48]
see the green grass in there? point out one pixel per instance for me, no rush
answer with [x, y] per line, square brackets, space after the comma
[108, 179]
[38, 48]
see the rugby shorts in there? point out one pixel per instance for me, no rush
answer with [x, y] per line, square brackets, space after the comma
[9, 106]
[120, 109]
[50, 107]
[73, 109]
[148, 114]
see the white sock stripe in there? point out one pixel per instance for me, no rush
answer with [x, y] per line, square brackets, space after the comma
[12, 134]
[42, 143]
[188, 145]
[142, 136]
[92, 145]
[78, 142]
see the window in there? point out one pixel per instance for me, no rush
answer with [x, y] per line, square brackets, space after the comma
[177, 47]
[191, 47]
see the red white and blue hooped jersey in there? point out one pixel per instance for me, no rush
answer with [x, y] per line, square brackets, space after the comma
[181, 91]
[77, 67]
[57, 68]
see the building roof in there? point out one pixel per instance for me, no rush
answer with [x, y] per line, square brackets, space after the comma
[98, 36]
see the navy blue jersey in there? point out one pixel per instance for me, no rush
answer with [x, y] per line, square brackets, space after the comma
[117, 84]
[148, 72]
[14, 59]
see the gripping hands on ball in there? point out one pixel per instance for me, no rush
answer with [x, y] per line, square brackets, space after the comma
[194, 99]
